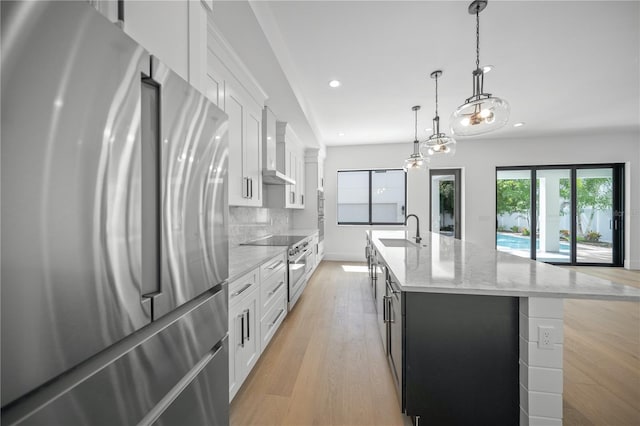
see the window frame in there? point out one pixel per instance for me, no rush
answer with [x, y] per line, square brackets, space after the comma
[370, 173]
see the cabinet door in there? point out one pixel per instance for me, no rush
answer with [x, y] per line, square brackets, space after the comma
[250, 340]
[300, 180]
[234, 351]
[244, 340]
[252, 151]
[290, 201]
[237, 180]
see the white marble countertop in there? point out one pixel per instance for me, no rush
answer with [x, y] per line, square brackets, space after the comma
[446, 265]
[243, 259]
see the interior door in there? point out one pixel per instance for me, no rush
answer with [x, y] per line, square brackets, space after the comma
[445, 204]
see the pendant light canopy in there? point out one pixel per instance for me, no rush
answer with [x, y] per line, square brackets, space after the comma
[438, 143]
[482, 112]
[415, 160]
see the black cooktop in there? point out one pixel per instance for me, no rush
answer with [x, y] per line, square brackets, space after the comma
[277, 240]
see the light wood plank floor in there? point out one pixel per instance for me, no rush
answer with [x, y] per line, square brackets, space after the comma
[602, 356]
[326, 366]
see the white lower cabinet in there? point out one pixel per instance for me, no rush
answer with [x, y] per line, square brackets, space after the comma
[257, 307]
[244, 334]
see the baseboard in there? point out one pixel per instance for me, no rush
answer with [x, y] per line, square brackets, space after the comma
[633, 265]
[345, 257]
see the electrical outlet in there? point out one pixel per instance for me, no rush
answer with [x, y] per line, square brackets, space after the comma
[546, 336]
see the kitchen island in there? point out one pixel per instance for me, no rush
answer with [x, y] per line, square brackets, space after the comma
[474, 335]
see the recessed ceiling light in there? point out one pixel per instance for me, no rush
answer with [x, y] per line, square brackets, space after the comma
[486, 68]
[334, 83]
[268, 138]
[519, 124]
[341, 134]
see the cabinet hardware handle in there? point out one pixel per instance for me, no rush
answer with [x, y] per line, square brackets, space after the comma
[384, 309]
[242, 330]
[248, 325]
[272, 292]
[390, 310]
[242, 290]
[275, 265]
[245, 189]
[302, 199]
[250, 187]
[277, 318]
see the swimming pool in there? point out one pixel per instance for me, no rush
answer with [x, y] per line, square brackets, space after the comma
[518, 242]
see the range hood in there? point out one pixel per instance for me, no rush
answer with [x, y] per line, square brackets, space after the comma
[274, 177]
[273, 150]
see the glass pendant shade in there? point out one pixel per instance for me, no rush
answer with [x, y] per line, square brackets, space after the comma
[479, 116]
[416, 161]
[481, 113]
[438, 144]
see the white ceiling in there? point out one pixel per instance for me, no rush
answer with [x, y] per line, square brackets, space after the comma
[564, 67]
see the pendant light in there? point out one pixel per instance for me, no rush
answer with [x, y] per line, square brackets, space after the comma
[438, 143]
[481, 113]
[415, 160]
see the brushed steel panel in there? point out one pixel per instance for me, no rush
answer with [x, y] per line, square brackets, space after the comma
[127, 389]
[194, 158]
[70, 189]
[206, 401]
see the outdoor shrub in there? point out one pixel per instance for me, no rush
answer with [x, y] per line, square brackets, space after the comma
[525, 232]
[501, 228]
[564, 233]
[515, 228]
[592, 236]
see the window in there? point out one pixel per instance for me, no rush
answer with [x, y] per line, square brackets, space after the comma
[372, 197]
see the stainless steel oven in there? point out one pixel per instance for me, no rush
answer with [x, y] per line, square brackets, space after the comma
[299, 266]
[320, 228]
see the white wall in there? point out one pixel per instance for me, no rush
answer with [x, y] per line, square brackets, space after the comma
[479, 159]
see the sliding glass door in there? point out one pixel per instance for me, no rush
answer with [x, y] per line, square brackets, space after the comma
[595, 224]
[553, 215]
[561, 214]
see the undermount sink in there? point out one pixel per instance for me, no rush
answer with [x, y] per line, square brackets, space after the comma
[397, 242]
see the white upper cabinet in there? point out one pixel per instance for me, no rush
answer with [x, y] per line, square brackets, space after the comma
[230, 86]
[183, 48]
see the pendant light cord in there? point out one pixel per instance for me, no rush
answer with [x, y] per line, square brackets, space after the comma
[477, 38]
[436, 95]
[415, 139]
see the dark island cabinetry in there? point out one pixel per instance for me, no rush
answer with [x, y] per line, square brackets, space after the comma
[460, 358]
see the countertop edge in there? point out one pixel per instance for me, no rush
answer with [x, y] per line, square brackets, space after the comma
[264, 253]
[498, 292]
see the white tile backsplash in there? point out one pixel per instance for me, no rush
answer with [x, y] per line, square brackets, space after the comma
[250, 223]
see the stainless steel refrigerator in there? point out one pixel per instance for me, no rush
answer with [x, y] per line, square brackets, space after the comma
[114, 229]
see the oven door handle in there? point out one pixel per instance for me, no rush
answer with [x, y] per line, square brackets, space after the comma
[303, 253]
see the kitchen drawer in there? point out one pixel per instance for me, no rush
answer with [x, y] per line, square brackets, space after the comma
[239, 288]
[269, 289]
[272, 266]
[274, 317]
